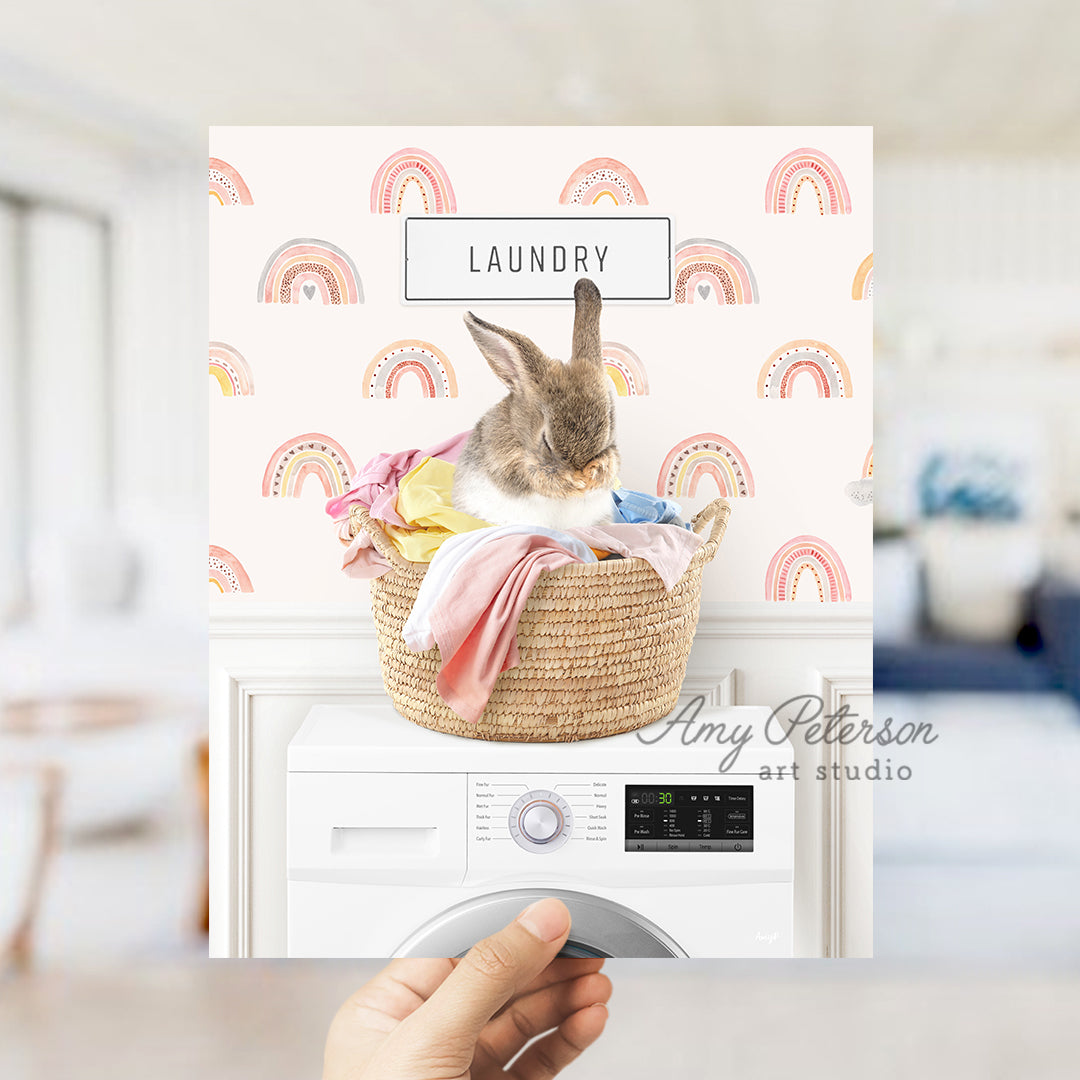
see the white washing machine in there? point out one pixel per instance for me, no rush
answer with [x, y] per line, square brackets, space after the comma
[408, 842]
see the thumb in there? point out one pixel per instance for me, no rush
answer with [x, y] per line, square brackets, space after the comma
[489, 975]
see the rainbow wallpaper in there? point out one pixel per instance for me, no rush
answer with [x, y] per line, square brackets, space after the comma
[301, 269]
[862, 286]
[307, 455]
[603, 180]
[705, 455]
[821, 365]
[815, 171]
[227, 187]
[710, 268]
[816, 558]
[625, 369]
[414, 362]
[231, 371]
[751, 381]
[409, 168]
[226, 573]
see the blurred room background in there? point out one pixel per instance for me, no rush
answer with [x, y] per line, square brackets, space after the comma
[103, 117]
[977, 553]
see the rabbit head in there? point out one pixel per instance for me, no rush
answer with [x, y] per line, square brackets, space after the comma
[553, 435]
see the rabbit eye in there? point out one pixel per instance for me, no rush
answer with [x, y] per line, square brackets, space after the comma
[544, 440]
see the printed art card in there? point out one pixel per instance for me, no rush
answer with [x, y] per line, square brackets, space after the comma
[736, 273]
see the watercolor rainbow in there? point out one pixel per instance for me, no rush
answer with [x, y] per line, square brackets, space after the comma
[227, 185]
[625, 370]
[603, 178]
[420, 359]
[306, 455]
[702, 265]
[804, 356]
[806, 166]
[868, 464]
[227, 573]
[412, 166]
[707, 454]
[310, 265]
[862, 287]
[802, 553]
[231, 370]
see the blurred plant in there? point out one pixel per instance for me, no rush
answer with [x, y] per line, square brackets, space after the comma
[977, 486]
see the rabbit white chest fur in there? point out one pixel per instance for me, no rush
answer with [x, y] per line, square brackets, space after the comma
[494, 505]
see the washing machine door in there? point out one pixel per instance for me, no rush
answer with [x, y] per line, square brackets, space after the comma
[598, 927]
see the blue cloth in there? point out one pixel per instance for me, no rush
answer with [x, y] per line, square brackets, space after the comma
[636, 506]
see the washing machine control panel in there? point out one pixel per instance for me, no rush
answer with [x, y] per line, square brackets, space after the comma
[540, 821]
[596, 827]
[684, 817]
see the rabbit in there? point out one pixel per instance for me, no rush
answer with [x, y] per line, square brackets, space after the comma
[545, 454]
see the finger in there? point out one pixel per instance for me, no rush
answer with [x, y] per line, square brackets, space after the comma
[548, 1056]
[562, 969]
[491, 973]
[526, 1017]
[372, 1013]
[397, 991]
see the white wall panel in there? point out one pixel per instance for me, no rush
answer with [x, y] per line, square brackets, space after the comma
[271, 663]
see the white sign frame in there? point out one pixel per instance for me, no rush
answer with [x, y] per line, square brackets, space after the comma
[629, 285]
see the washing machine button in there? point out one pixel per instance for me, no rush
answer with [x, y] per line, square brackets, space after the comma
[705, 845]
[672, 845]
[541, 822]
[736, 845]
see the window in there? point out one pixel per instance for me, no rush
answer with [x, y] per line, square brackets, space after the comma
[56, 422]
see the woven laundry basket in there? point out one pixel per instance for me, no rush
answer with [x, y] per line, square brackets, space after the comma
[602, 647]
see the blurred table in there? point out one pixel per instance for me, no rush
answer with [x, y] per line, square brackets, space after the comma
[119, 763]
[28, 805]
[117, 753]
[72, 714]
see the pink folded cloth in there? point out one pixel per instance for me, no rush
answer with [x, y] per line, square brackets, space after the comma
[376, 484]
[667, 548]
[362, 558]
[475, 620]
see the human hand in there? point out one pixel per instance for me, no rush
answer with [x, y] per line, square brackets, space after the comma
[466, 1019]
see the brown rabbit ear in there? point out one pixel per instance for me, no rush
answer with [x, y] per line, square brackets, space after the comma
[512, 356]
[587, 305]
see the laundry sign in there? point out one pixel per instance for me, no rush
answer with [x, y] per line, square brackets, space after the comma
[451, 259]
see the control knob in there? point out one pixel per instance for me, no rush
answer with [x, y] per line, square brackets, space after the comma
[541, 821]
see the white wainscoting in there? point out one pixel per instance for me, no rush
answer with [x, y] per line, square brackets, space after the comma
[271, 663]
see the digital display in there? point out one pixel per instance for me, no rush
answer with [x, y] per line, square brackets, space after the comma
[685, 818]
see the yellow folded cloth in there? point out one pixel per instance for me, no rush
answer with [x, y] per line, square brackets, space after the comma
[423, 501]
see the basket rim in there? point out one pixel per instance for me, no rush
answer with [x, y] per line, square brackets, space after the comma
[717, 512]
